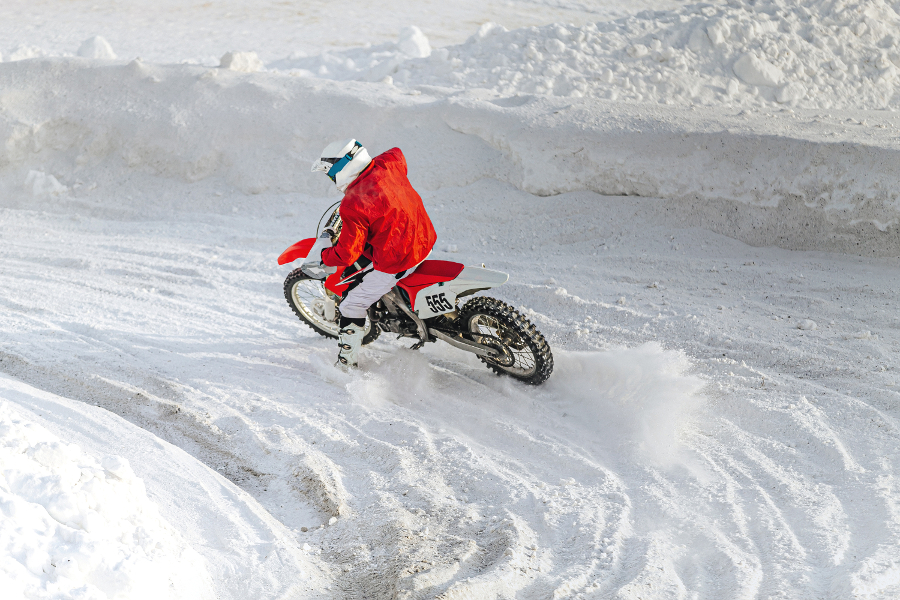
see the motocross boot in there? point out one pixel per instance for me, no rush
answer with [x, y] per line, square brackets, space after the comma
[350, 340]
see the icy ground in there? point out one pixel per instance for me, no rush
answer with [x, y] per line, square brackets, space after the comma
[721, 423]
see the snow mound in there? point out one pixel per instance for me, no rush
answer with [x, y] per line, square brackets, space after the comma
[243, 62]
[413, 43]
[41, 184]
[811, 53]
[25, 52]
[96, 47]
[807, 325]
[757, 71]
[76, 526]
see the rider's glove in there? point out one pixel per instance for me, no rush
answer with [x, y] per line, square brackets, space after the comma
[313, 265]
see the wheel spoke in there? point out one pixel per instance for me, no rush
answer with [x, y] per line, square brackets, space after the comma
[313, 304]
[310, 297]
[523, 360]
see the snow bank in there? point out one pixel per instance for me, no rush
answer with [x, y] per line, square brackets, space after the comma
[76, 526]
[811, 53]
[762, 177]
[825, 54]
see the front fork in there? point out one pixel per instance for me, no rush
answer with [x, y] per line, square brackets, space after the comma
[329, 309]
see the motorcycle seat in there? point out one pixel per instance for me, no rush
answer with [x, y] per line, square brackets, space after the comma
[429, 273]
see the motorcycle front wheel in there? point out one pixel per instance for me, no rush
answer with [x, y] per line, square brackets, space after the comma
[523, 353]
[317, 307]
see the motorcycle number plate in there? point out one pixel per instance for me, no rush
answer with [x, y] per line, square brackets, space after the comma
[434, 300]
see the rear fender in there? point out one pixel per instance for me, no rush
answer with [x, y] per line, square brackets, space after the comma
[441, 297]
[473, 279]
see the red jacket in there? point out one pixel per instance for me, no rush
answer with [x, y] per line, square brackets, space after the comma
[383, 219]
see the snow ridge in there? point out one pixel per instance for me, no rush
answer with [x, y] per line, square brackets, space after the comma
[77, 128]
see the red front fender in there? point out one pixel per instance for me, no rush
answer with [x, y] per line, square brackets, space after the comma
[299, 250]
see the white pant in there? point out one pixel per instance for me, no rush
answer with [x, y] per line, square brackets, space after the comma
[373, 286]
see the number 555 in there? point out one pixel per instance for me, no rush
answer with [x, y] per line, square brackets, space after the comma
[438, 303]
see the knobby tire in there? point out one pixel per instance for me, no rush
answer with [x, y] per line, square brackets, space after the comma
[297, 276]
[517, 324]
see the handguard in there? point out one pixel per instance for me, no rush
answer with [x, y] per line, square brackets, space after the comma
[314, 267]
[318, 270]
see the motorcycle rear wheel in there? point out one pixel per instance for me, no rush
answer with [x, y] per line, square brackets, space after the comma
[524, 353]
[307, 297]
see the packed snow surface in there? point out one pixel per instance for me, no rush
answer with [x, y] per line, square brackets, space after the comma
[716, 278]
[76, 525]
[692, 437]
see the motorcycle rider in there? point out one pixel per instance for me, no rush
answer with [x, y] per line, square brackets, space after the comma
[384, 220]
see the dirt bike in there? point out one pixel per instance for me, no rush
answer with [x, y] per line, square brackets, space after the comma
[425, 305]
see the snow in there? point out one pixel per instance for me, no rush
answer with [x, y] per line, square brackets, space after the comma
[76, 525]
[715, 277]
[413, 43]
[243, 62]
[763, 169]
[173, 31]
[41, 184]
[807, 325]
[757, 71]
[813, 54]
[96, 47]
[205, 537]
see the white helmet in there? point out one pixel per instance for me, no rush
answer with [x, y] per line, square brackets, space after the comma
[342, 162]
